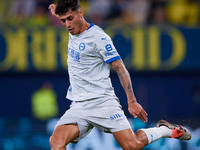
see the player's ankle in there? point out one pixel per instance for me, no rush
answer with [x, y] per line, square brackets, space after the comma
[166, 132]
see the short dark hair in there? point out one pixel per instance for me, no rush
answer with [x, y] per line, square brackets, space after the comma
[63, 6]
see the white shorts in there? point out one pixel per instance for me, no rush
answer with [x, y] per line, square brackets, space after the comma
[102, 113]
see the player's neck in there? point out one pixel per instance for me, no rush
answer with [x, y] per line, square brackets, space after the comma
[85, 26]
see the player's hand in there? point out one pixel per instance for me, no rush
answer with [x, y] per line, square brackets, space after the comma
[136, 110]
[52, 8]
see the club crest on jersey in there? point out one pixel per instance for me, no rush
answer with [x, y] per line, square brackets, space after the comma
[81, 46]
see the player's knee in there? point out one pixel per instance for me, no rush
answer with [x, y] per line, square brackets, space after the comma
[133, 146]
[56, 143]
[139, 146]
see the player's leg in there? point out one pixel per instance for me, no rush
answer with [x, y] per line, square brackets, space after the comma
[70, 128]
[165, 129]
[63, 135]
[130, 141]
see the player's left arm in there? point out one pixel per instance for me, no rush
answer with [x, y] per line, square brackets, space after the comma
[134, 108]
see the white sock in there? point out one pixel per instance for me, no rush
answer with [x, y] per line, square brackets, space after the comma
[155, 133]
[166, 132]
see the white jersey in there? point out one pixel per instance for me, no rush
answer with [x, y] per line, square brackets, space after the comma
[89, 55]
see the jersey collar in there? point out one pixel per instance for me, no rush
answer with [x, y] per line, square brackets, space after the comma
[91, 25]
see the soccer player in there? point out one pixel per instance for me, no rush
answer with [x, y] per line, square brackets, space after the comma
[94, 103]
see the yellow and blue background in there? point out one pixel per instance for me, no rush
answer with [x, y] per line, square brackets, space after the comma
[163, 61]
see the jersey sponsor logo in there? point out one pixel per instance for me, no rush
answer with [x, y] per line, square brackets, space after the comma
[81, 46]
[74, 54]
[110, 53]
[116, 116]
[108, 47]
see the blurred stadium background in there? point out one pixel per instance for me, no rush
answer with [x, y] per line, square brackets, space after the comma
[159, 41]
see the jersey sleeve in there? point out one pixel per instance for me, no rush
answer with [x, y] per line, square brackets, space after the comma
[106, 48]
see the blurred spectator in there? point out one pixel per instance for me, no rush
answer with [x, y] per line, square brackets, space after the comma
[139, 10]
[104, 12]
[116, 8]
[130, 12]
[40, 18]
[99, 10]
[183, 12]
[19, 11]
[45, 4]
[26, 7]
[17, 19]
[28, 12]
[115, 14]
[44, 102]
[85, 6]
[157, 14]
